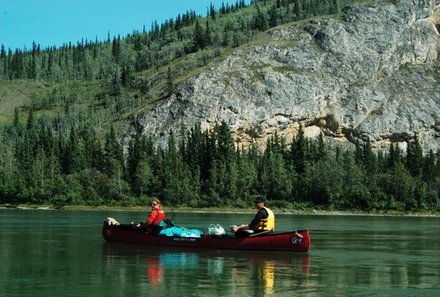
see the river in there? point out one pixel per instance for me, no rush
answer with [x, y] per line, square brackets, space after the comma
[62, 253]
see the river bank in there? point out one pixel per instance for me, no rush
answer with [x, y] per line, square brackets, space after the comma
[278, 211]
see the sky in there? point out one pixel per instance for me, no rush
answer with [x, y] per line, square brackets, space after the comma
[58, 22]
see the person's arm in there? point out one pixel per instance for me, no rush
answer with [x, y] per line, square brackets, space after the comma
[152, 217]
[261, 214]
[239, 228]
[153, 214]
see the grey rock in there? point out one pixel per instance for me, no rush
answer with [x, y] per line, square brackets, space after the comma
[372, 73]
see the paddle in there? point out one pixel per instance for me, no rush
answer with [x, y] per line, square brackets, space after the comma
[298, 234]
[260, 233]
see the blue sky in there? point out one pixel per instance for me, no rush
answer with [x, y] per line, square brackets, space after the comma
[54, 22]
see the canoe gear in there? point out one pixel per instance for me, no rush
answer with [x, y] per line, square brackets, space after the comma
[216, 229]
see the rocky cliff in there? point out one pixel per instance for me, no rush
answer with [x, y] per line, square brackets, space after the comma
[370, 72]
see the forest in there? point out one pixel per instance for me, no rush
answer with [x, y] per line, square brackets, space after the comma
[118, 58]
[65, 142]
[49, 161]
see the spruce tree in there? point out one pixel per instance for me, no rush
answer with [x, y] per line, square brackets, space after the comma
[199, 38]
[414, 157]
[298, 151]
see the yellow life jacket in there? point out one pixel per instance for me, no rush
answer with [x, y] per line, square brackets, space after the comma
[268, 223]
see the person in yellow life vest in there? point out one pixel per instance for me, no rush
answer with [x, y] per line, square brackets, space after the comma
[264, 220]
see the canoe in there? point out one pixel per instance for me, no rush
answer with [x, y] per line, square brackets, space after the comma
[297, 241]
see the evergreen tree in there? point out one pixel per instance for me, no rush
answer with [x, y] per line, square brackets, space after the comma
[199, 38]
[138, 166]
[321, 183]
[399, 185]
[273, 16]
[356, 194]
[414, 157]
[179, 186]
[260, 23]
[16, 122]
[247, 182]
[116, 49]
[298, 151]
[208, 154]
[212, 12]
[75, 158]
[225, 143]
[30, 120]
[112, 154]
[208, 34]
[194, 149]
[369, 159]
[428, 170]
[297, 10]
[274, 176]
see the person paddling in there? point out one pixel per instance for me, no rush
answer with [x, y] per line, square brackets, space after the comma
[264, 221]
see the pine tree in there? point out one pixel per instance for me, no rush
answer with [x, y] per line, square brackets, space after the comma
[112, 154]
[369, 159]
[225, 143]
[273, 16]
[260, 23]
[116, 49]
[4, 63]
[298, 151]
[134, 160]
[208, 153]
[30, 120]
[414, 157]
[274, 177]
[428, 170]
[208, 34]
[212, 12]
[199, 38]
[16, 122]
[297, 10]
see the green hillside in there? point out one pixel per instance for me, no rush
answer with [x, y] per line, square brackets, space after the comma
[122, 76]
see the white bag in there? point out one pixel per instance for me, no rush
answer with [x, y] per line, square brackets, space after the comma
[112, 221]
[216, 229]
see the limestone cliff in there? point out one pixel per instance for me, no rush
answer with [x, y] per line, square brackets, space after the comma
[370, 72]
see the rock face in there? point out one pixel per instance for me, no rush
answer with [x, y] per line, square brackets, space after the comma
[373, 72]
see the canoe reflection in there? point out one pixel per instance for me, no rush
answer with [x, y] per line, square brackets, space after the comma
[160, 262]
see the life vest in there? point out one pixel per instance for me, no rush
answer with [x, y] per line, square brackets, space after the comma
[268, 223]
[155, 217]
[160, 216]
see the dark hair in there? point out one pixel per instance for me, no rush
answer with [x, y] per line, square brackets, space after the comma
[260, 199]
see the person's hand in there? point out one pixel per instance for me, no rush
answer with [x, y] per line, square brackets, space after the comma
[234, 228]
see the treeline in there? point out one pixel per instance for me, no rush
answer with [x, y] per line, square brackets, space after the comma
[228, 26]
[55, 161]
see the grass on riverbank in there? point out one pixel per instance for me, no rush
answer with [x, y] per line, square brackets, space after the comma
[278, 211]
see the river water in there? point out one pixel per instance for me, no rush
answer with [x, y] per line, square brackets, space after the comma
[62, 253]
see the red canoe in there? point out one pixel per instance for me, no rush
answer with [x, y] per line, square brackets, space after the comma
[296, 241]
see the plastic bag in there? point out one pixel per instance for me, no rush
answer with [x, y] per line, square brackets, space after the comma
[181, 232]
[216, 229]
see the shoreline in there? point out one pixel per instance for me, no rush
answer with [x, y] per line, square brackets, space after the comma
[277, 211]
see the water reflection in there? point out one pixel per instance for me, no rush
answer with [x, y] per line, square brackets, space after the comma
[154, 271]
[231, 272]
